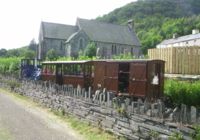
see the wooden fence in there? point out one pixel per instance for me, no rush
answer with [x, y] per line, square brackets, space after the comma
[179, 60]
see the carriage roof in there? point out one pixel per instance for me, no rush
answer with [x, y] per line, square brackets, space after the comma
[90, 61]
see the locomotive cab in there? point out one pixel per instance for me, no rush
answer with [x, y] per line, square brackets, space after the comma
[30, 69]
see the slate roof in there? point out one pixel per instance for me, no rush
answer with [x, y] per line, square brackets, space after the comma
[181, 39]
[58, 31]
[106, 32]
[96, 31]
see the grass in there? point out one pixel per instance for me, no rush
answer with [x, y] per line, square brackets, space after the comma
[89, 132]
[5, 134]
[84, 129]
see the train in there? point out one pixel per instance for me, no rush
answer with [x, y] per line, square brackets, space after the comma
[130, 78]
[30, 69]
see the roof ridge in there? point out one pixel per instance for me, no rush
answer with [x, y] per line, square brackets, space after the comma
[57, 23]
[94, 20]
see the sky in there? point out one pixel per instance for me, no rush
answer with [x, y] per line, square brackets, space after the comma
[20, 19]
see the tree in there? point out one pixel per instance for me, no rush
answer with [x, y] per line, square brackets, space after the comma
[51, 55]
[90, 50]
[156, 20]
[29, 54]
[13, 53]
[3, 52]
[33, 45]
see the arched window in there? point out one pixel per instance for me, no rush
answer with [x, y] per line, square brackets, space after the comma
[114, 49]
[68, 50]
[81, 43]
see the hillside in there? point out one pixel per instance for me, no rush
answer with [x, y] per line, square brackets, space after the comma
[156, 20]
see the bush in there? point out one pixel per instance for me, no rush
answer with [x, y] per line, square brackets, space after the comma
[51, 55]
[10, 65]
[183, 92]
[124, 56]
[90, 50]
[196, 134]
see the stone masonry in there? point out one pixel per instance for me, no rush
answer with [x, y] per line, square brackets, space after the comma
[130, 119]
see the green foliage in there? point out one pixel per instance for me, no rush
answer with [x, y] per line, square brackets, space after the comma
[122, 112]
[33, 45]
[176, 136]
[16, 52]
[5, 134]
[10, 66]
[64, 59]
[124, 56]
[81, 57]
[183, 92]
[3, 52]
[90, 50]
[52, 55]
[156, 20]
[154, 134]
[196, 135]
[29, 54]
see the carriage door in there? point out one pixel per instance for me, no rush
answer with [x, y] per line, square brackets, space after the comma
[156, 80]
[59, 79]
[111, 76]
[137, 81]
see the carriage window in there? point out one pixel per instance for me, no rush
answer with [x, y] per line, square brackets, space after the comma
[89, 70]
[73, 69]
[49, 69]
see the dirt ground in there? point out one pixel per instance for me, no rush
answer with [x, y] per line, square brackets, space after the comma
[22, 121]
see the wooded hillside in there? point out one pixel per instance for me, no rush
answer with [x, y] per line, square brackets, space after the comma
[156, 20]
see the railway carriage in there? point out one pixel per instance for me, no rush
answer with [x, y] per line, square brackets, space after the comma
[68, 72]
[133, 78]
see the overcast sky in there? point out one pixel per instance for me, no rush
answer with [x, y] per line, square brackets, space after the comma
[20, 19]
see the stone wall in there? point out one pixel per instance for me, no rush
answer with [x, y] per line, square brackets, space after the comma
[76, 44]
[133, 120]
[56, 44]
[105, 49]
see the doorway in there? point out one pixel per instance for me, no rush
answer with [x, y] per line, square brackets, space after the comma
[123, 78]
[59, 79]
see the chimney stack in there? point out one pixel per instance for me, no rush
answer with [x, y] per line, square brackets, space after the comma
[130, 23]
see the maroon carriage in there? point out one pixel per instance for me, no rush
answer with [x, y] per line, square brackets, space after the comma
[133, 78]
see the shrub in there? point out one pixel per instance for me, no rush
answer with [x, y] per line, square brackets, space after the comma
[196, 135]
[124, 56]
[10, 65]
[51, 55]
[90, 50]
[183, 92]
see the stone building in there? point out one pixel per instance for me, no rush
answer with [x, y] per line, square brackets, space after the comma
[67, 40]
[182, 41]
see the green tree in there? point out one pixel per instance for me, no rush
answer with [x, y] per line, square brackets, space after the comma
[33, 45]
[51, 55]
[90, 50]
[29, 54]
[3, 52]
[156, 20]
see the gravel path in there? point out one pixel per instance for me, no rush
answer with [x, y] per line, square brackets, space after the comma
[23, 121]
